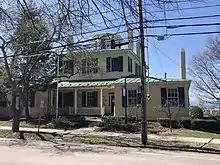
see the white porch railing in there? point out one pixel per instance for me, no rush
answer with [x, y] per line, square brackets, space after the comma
[87, 111]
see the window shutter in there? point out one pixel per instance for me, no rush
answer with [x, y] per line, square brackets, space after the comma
[120, 63]
[163, 96]
[139, 95]
[95, 65]
[108, 64]
[60, 99]
[123, 97]
[95, 98]
[131, 65]
[84, 66]
[83, 99]
[32, 99]
[181, 96]
[71, 68]
[128, 64]
[139, 70]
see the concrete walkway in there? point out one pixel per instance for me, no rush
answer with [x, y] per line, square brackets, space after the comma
[91, 132]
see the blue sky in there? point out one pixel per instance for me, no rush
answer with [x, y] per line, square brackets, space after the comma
[166, 56]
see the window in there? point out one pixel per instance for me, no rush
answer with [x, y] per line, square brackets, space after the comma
[137, 69]
[174, 97]
[90, 99]
[114, 64]
[3, 103]
[68, 67]
[32, 99]
[132, 97]
[129, 64]
[90, 65]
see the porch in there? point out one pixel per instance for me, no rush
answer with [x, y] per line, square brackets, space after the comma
[84, 100]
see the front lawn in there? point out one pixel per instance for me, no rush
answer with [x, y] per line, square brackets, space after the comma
[26, 124]
[114, 141]
[194, 133]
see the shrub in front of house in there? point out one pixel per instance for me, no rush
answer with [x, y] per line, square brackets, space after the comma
[205, 124]
[65, 123]
[185, 122]
[118, 124]
[165, 122]
[196, 112]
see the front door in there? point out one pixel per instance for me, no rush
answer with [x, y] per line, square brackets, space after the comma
[112, 103]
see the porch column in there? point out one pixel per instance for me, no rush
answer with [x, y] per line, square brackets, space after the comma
[101, 112]
[75, 101]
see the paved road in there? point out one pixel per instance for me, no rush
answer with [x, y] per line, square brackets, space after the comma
[91, 132]
[42, 153]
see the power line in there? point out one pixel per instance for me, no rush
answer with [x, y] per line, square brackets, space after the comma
[93, 39]
[156, 20]
[186, 8]
[185, 18]
[183, 25]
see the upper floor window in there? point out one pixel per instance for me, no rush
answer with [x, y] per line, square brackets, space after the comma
[137, 69]
[68, 67]
[130, 64]
[173, 97]
[90, 65]
[114, 64]
[32, 99]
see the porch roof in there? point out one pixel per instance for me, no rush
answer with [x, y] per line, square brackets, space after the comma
[85, 84]
[106, 83]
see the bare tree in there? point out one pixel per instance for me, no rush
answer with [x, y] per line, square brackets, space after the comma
[171, 110]
[205, 72]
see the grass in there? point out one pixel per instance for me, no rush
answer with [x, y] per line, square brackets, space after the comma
[153, 128]
[115, 141]
[27, 135]
[25, 124]
[194, 133]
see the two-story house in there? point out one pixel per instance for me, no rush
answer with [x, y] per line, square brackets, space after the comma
[97, 88]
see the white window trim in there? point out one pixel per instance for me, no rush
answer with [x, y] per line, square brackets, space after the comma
[87, 97]
[131, 105]
[111, 64]
[173, 97]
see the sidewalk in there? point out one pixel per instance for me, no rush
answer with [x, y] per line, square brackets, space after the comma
[91, 132]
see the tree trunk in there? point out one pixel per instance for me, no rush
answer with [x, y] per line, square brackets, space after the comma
[26, 101]
[170, 119]
[16, 113]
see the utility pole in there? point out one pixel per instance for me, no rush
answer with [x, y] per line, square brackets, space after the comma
[143, 76]
[126, 104]
[57, 91]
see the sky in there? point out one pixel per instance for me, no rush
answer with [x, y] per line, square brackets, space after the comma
[165, 55]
